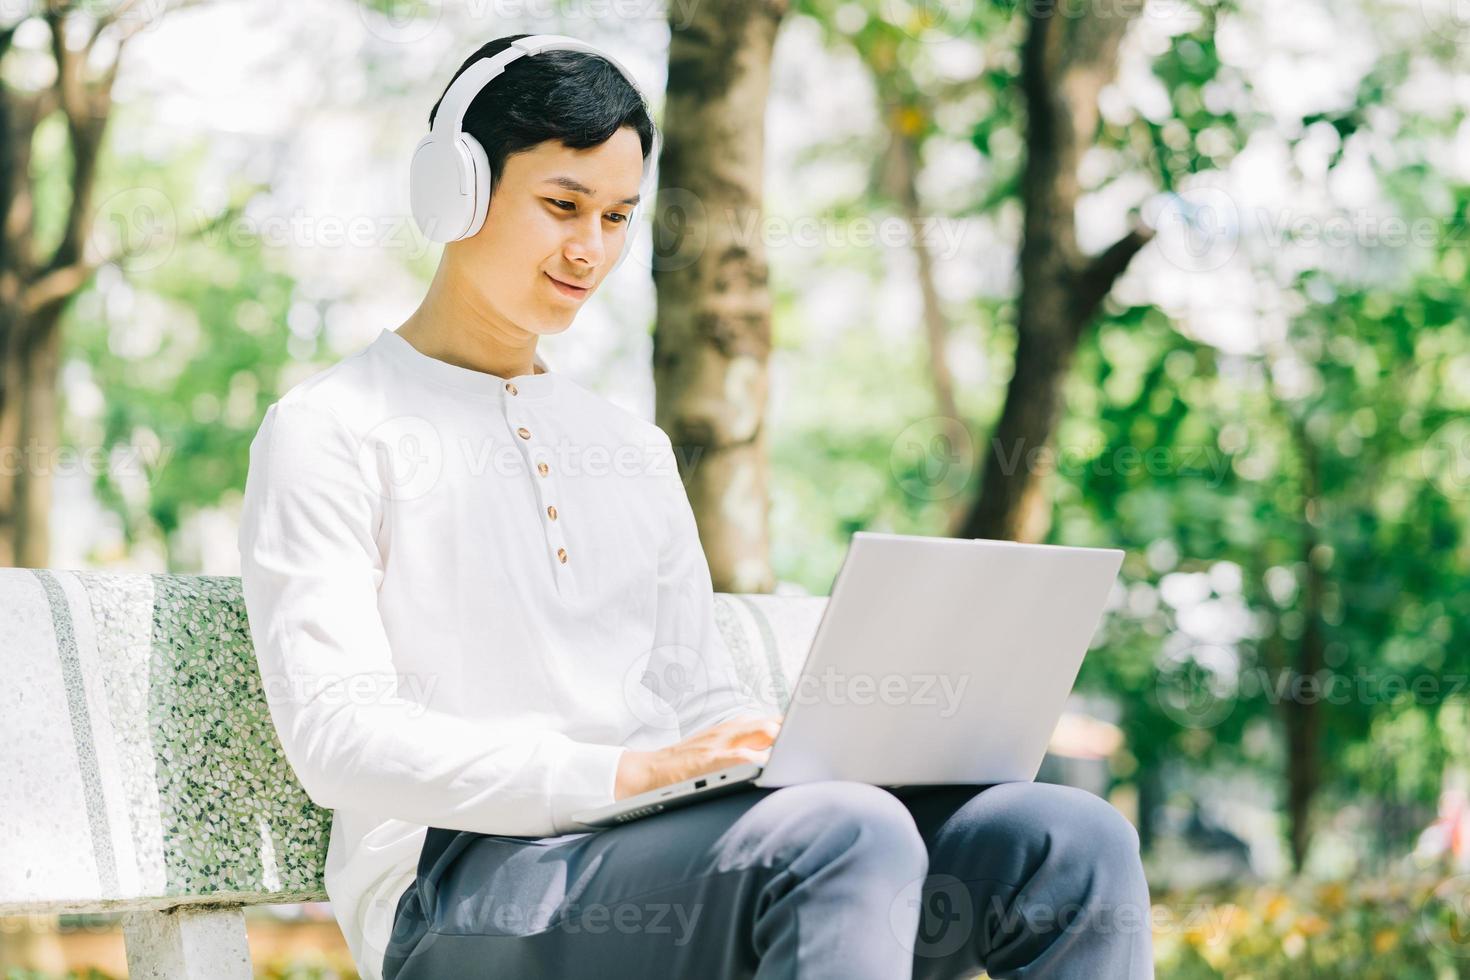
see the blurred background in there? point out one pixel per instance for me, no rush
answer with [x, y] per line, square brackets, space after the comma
[1181, 277]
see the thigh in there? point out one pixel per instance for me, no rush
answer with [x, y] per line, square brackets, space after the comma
[644, 898]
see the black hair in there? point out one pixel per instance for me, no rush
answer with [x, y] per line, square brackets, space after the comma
[577, 98]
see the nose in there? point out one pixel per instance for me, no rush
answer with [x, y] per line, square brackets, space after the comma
[585, 244]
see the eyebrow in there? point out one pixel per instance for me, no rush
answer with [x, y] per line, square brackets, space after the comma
[572, 184]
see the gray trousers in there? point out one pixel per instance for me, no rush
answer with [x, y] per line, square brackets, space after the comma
[828, 879]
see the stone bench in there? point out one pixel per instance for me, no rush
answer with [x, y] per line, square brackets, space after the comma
[140, 773]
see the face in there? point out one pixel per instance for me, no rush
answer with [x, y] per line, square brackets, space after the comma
[557, 215]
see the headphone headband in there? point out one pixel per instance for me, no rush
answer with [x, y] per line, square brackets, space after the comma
[449, 120]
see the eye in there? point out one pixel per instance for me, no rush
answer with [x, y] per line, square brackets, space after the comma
[622, 218]
[559, 204]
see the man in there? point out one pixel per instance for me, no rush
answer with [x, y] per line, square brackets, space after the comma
[480, 604]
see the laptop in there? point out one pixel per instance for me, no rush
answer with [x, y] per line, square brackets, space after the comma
[936, 661]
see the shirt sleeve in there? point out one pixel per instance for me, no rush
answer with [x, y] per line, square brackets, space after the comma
[691, 665]
[310, 569]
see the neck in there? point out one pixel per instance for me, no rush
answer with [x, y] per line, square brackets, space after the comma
[454, 325]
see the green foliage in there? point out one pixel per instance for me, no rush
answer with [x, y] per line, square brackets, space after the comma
[188, 351]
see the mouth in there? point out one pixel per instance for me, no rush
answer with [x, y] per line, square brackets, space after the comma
[566, 289]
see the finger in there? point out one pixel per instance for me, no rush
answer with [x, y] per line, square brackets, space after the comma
[759, 723]
[758, 756]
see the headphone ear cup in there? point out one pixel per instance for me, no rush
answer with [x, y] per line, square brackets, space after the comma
[480, 180]
[439, 189]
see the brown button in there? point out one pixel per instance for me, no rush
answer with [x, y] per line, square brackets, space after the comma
[542, 468]
[510, 387]
[523, 432]
[551, 512]
[562, 554]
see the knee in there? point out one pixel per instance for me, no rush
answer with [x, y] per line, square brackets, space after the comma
[1085, 819]
[1063, 826]
[825, 820]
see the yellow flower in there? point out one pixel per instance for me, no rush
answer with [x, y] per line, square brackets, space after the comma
[910, 120]
[1332, 895]
[1385, 940]
[1312, 925]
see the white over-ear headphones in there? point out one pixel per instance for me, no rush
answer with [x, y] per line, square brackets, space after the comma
[449, 176]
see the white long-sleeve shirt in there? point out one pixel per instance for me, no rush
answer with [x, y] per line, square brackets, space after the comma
[468, 596]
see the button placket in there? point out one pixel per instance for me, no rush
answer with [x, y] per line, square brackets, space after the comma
[546, 487]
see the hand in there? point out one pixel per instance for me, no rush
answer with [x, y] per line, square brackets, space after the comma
[745, 738]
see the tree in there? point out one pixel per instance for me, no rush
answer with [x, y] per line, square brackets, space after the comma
[1065, 63]
[712, 335]
[35, 288]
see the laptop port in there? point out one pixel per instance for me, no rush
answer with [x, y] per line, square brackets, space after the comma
[699, 783]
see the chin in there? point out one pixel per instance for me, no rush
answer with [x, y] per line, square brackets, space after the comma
[545, 321]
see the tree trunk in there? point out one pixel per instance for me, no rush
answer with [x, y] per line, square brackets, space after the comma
[903, 179]
[1303, 705]
[1065, 63]
[40, 424]
[712, 335]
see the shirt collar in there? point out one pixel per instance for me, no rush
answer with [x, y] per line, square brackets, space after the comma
[532, 387]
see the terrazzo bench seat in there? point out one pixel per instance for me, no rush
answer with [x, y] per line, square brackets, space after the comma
[140, 773]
